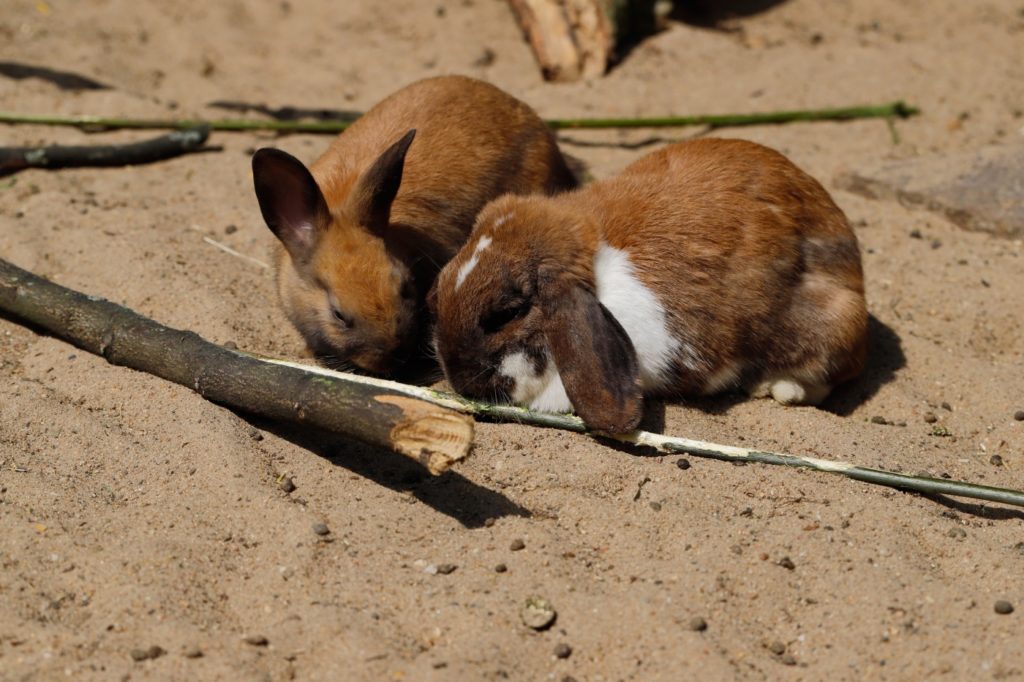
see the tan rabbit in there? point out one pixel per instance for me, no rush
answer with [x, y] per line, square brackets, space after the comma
[708, 265]
[364, 231]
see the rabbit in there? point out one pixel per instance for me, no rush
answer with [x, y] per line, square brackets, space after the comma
[706, 266]
[364, 231]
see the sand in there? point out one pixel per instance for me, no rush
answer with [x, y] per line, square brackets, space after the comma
[135, 514]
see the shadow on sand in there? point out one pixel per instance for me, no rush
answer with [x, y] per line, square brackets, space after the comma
[451, 493]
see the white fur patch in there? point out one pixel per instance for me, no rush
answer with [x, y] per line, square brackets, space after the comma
[543, 392]
[469, 265]
[641, 314]
[792, 391]
[501, 220]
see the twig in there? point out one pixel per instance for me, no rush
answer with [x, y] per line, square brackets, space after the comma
[426, 432]
[91, 123]
[673, 444]
[237, 254]
[179, 142]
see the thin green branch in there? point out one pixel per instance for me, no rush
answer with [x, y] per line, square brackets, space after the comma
[96, 123]
[672, 444]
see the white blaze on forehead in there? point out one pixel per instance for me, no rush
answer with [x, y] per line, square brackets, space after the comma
[468, 266]
[641, 314]
[539, 391]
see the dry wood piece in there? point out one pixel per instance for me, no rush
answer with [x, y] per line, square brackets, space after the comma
[433, 435]
[13, 159]
[575, 39]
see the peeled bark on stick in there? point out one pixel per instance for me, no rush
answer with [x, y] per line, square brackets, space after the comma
[13, 159]
[697, 448]
[434, 436]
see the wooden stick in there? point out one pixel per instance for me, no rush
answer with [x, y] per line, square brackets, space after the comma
[673, 444]
[571, 39]
[433, 435]
[179, 142]
[96, 123]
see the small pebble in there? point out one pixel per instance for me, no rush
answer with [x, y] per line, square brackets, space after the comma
[563, 650]
[958, 533]
[788, 659]
[697, 624]
[777, 648]
[489, 522]
[231, 229]
[446, 569]
[500, 568]
[486, 58]
[787, 563]
[287, 485]
[683, 464]
[656, 506]
[1019, 415]
[231, 345]
[946, 406]
[146, 654]
[1003, 607]
[321, 528]
[930, 418]
[877, 419]
[192, 652]
[996, 460]
[537, 613]
[517, 545]
[256, 640]
[916, 234]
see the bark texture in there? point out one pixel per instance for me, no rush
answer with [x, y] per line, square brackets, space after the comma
[435, 436]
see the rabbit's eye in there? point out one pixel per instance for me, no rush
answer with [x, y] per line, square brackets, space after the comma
[341, 318]
[498, 319]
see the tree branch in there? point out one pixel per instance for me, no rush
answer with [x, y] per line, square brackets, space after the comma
[97, 123]
[673, 444]
[13, 159]
[431, 434]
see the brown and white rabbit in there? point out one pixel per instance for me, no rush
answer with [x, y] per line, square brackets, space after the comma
[364, 231]
[708, 265]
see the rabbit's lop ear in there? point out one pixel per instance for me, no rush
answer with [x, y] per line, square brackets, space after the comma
[291, 202]
[377, 187]
[596, 361]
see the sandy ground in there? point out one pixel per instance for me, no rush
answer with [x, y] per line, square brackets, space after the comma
[134, 514]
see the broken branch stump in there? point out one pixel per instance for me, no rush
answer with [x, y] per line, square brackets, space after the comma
[573, 39]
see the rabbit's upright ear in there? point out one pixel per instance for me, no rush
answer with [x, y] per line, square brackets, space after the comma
[595, 359]
[376, 189]
[290, 200]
